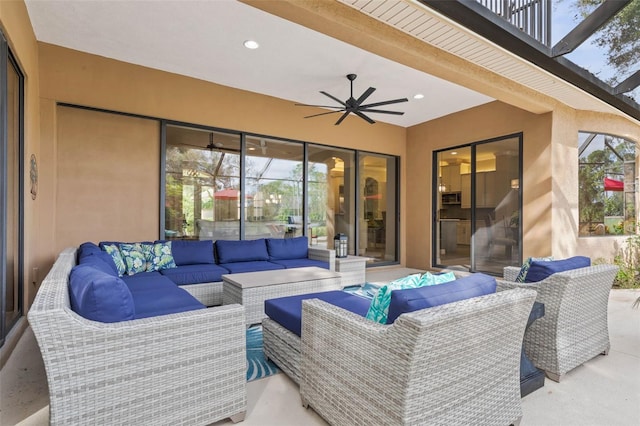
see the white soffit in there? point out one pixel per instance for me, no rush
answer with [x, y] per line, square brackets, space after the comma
[429, 26]
[204, 40]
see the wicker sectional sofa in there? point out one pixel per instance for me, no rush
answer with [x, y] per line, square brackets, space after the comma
[183, 368]
[455, 363]
[201, 264]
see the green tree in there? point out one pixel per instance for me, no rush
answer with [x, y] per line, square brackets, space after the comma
[620, 36]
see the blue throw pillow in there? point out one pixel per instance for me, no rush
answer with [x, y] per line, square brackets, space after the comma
[288, 248]
[192, 252]
[98, 296]
[241, 250]
[415, 299]
[538, 270]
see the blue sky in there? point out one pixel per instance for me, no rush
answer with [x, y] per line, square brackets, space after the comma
[588, 55]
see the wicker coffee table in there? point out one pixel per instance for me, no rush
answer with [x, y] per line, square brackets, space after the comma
[251, 289]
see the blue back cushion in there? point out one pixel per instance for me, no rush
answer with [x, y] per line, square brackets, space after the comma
[192, 252]
[87, 249]
[301, 263]
[538, 271]
[241, 250]
[252, 266]
[195, 274]
[287, 311]
[288, 248]
[101, 261]
[414, 299]
[98, 296]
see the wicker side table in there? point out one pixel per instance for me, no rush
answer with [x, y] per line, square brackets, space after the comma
[352, 270]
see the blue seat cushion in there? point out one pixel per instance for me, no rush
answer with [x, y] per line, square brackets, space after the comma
[254, 266]
[194, 274]
[539, 270]
[414, 299]
[162, 297]
[300, 263]
[241, 251]
[287, 311]
[288, 248]
[99, 296]
[148, 279]
[187, 252]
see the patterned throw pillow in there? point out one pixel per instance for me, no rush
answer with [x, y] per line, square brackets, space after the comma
[379, 308]
[527, 264]
[159, 256]
[134, 258]
[114, 251]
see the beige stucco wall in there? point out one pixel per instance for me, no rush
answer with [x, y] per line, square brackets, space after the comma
[474, 125]
[566, 125]
[73, 77]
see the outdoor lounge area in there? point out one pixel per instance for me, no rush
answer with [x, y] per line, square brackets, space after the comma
[603, 391]
[301, 212]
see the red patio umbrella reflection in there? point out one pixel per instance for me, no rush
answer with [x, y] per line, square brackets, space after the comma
[613, 185]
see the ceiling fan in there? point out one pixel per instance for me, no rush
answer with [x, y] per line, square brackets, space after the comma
[355, 106]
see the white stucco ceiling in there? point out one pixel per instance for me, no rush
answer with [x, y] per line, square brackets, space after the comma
[204, 40]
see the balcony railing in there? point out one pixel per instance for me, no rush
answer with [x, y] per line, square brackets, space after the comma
[531, 16]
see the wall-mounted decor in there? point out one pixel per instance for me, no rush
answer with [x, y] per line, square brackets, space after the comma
[33, 173]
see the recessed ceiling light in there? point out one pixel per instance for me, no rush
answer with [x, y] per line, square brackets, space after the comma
[454, 153]
[251, 44]
[418, 96]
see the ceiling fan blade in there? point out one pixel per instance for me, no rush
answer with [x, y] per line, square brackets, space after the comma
[382, 111]
[319, 106]
[334, 98]
[323, 113]
[364, 117]
[365, 95]
[394, 101]
[342, 118]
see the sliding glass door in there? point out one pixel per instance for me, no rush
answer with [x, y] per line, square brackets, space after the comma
[477, 206]
[11, 200]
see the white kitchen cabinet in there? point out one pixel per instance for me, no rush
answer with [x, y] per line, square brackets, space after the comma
[451, 178]
[463, 234]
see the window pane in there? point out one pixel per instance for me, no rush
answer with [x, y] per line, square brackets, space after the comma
[607, 185]
[331, 196]
[377, 221]
[274, 188]
[202, 190]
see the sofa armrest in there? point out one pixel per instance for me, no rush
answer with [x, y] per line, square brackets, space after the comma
[323, 255]
[510, 273]
[510, 285]
[162, 369]
[355, 370]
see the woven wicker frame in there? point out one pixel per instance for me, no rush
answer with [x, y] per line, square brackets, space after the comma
[574, 328]
[186, 368]
[253, 298]
[453, 364]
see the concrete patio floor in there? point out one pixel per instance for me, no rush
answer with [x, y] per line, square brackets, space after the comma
[603, 392]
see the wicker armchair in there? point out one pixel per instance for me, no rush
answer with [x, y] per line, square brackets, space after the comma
[574, 328]
[451, 364]
[186, 368]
